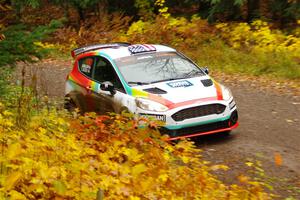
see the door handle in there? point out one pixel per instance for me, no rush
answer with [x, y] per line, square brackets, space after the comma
[88, 89]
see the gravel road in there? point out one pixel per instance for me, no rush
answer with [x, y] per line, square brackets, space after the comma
[269, 130]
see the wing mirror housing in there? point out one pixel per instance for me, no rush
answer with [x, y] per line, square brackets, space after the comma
[205, 69]
[108, 86]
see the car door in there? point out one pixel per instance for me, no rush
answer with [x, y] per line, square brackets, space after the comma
[103, 71]
[84, 97]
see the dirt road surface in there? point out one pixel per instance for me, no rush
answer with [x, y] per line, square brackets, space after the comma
[268, 136]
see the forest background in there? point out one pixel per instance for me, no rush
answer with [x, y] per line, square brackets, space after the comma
[48, 153]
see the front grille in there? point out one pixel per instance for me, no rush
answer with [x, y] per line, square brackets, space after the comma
[198, 111]
[202, 128]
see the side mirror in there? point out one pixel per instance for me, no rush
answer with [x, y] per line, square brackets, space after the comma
[108, 86]
[205, 69]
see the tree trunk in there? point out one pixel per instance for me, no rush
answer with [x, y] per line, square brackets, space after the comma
[81, 16]
[203, 8]
[253, 9]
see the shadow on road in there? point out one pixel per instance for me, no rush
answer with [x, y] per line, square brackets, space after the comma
[214, 139]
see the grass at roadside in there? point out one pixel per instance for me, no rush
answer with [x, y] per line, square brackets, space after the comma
[221, 57]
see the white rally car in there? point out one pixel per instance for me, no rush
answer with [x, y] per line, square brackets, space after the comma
[150, 80]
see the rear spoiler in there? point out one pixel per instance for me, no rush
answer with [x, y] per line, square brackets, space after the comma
[84, 49]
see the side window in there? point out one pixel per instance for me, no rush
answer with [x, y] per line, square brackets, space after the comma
[86, 66]
[104, 71]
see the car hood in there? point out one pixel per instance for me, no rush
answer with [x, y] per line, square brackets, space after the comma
[182, 90]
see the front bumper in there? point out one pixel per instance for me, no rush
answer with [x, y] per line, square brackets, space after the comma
[186, 127]
[226, 124]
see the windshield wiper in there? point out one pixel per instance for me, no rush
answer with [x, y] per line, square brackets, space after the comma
[193, 73]
[168, 79]
[138, 83]
[187, 75]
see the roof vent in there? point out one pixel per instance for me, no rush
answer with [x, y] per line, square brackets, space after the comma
[141, 48]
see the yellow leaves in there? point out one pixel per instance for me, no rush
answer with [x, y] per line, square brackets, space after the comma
[12, 180]
[138, 169]
[163, 9]
[185, 159]
[137, 28]
[163, 177]
[259, 37]
[15, 195]
[5, 119]
[249, 164]
[219, 167]
[134, 198]
[132, 154]
[44, 45]
[13, 151]
[45, 161]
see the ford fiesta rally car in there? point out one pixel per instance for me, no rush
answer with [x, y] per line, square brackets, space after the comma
[150, 80]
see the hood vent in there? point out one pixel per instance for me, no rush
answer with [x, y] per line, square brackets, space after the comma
[155, 91]
[207, 82]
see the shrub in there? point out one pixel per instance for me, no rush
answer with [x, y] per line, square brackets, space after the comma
[240, 47]
[259, 37]
[99, 29]
[19, 43]
[54, 156]
[178, 32]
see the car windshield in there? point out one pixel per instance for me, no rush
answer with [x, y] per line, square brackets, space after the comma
[156, 67]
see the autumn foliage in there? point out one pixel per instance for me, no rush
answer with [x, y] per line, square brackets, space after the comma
[58, 156]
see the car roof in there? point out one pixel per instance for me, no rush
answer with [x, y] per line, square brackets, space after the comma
[123, 51]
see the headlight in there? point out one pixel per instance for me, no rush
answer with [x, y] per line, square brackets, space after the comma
[149, 105]
[226, 93]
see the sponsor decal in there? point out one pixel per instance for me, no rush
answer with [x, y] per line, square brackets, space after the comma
[178, 84]
[157, 117]
[85, 68]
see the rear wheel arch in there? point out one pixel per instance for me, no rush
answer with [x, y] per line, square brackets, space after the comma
[71, 102]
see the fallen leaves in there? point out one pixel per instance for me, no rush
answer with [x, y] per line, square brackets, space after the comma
[278, 159]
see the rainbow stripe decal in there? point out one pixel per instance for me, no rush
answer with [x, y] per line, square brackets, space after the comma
[77, 77]
[218, 90]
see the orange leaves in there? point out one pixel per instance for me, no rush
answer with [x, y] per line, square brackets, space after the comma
[243, 179]
[278, 159]
[55, 160]
[98, 29]
[2, 36]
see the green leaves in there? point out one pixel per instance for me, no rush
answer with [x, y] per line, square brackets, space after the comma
[19, 43]
[59, 187]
